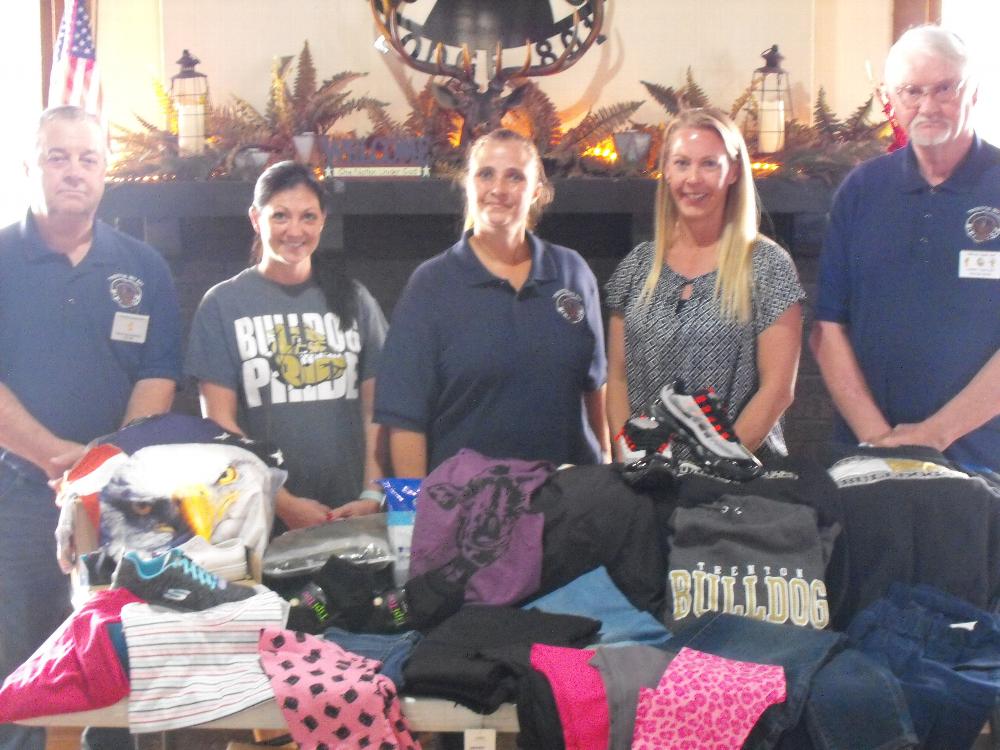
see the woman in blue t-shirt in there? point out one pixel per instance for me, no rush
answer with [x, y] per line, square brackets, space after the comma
[285, 352]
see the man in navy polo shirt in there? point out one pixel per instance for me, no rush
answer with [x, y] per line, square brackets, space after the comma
[908, 320]
[89, 340]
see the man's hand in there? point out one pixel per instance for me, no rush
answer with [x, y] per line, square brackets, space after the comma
[354, 509]
[63, 461]
[918, 433]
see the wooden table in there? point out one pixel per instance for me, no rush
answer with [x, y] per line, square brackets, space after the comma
[423, 715]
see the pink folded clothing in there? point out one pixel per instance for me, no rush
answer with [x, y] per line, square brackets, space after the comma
[578, 689]
[705, 702]
[76, 669]
[332, 698]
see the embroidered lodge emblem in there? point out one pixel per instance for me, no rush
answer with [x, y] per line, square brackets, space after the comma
[983, 223]
[125, 290]
[569, 304]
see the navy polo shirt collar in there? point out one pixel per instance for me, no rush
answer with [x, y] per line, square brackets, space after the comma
[962, 180]
[543, 267]
[36, 251]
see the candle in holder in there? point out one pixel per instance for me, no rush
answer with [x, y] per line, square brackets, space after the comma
[190, 128]
[771, 136]
[771, 96]
[189, 90]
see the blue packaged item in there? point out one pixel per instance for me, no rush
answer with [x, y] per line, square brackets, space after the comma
[401, 507]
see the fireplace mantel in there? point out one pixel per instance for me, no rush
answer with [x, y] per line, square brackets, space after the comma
[154, 210]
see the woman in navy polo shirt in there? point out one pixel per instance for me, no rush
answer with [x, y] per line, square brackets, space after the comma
[497, 343]
[709, 302]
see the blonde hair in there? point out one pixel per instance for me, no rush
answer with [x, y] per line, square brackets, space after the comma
[504, 135]
[734, 281]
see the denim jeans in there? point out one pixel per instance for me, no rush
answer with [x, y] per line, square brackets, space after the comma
[34, 593]
[392, 650]
[800, 651]
[855, 704]
[950, 675]
[595, 595]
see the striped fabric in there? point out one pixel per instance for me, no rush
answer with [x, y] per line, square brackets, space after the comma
[193, 667]
[75, 77]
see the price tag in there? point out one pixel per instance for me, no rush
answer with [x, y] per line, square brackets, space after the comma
[480, 739]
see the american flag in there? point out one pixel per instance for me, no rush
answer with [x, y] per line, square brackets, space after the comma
[75, 77]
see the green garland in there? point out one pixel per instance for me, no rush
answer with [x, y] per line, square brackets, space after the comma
[825, 149]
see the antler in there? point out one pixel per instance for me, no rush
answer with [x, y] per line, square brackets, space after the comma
[573, 52]
[389, 27]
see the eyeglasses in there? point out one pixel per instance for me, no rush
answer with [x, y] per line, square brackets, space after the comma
[942, 93]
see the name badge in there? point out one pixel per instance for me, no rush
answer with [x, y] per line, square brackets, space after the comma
[979, 264]
[130, 328]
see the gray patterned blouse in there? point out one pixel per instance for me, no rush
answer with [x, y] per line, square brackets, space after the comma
[692, 342]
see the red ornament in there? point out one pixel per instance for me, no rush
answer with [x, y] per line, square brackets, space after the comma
[899, 138]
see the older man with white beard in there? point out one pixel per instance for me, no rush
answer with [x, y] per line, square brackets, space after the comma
[907, 331]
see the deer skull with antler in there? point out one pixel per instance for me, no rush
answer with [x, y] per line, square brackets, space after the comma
[483, 109]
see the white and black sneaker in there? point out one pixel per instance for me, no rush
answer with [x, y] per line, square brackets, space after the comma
[640, 437]
[647, 461]
[174, 580]
[699, 421]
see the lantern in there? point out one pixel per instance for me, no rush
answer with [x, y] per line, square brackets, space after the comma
[769, 88]
[632, 147]
[189, 90]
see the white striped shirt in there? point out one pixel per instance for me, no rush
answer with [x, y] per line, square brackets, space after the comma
[188, 668]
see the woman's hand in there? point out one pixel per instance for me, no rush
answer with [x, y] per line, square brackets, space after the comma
[919, 433]
[617, 390]
[778, 349]
[354, 509]
[300, 512]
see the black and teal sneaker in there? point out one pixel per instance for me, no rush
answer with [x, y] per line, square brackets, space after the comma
[174, 580]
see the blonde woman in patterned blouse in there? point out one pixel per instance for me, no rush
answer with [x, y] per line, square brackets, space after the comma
[709, 302]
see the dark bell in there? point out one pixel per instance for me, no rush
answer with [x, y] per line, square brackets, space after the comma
[482, 23]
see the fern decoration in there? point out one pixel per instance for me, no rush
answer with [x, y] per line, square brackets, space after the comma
[167, 106]
[305, 85]
[149, 127]
[535, 116]
[692, 94]
[826, 124]
[244, 111]
[428, 119]
[745, 101]
[798, 136]
[339, 80]
[858, 126]
[594, 128]
[279, 104]
[383, 124]
[238, 125]
[665, 96]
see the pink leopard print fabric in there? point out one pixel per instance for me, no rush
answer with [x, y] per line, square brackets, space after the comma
[705, 702]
